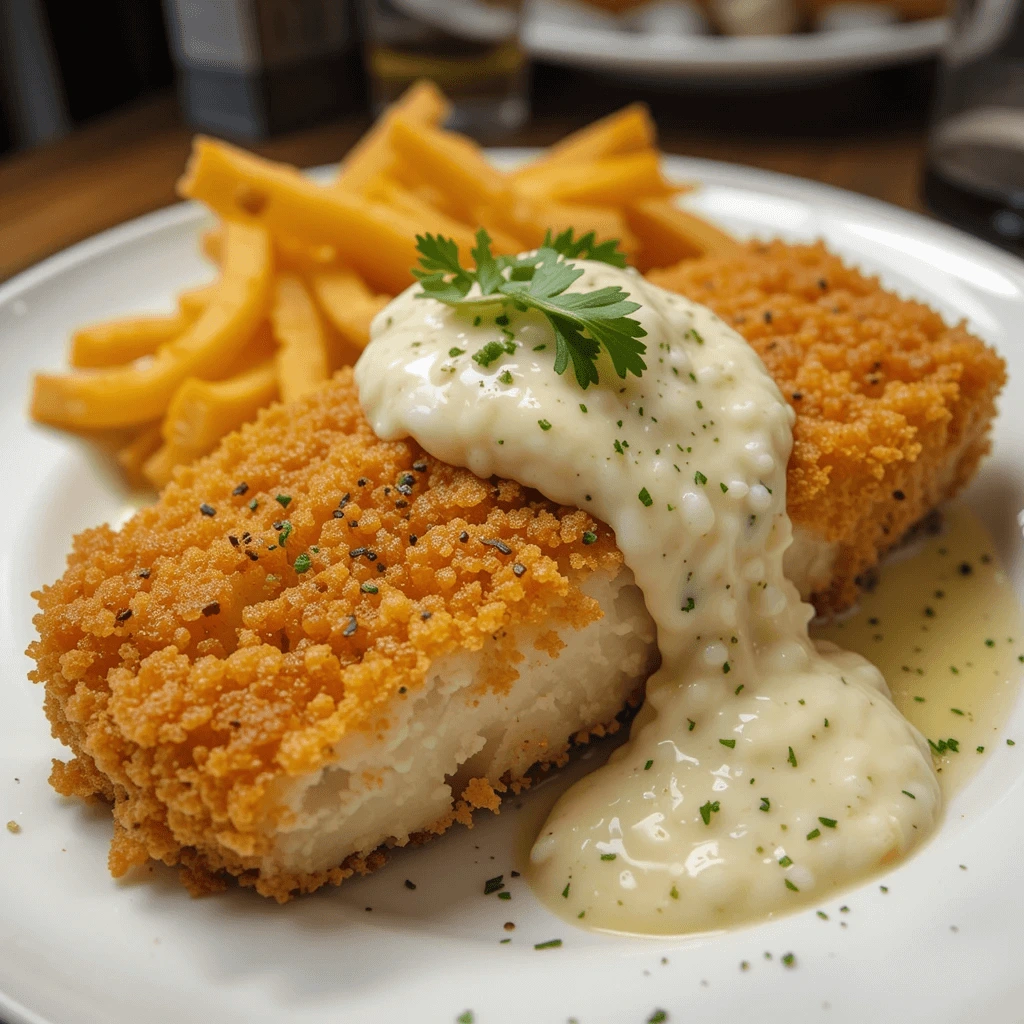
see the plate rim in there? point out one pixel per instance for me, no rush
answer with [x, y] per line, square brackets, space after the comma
[737, 57]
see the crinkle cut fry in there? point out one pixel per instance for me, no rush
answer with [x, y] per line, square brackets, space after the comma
[893, 405]
[191, 660]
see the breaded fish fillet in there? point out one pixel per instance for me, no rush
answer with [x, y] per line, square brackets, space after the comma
[893, 405]
[318, 644]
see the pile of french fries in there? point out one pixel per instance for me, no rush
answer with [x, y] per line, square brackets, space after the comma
[304, 268]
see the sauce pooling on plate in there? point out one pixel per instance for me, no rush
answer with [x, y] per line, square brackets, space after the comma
[763, 770]
[944, 627]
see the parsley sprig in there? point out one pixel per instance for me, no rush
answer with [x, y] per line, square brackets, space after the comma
[583, 322]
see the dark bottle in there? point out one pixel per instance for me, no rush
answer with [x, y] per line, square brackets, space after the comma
[975, 171]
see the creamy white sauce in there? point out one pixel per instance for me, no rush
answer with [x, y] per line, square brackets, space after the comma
[820, 780]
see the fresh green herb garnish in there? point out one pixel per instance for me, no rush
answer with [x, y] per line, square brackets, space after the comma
[543, 424]
[367, 588]
[645, 497]
[583, 322]
[707, 810]
[766, 804]
[589, 537]
[814, 833]
[828, 822]
[286, 532]
[792, 757]
[648, 765]
[700, 478]
[608, 856]
[790, 885]
[565, 891]
[302, 563]
[284, 500]
[453, 352]
[731, 744]
[785, 861]
[505, 376]
[494, 884]
[906, 792]
[550, 944]
[491, 351]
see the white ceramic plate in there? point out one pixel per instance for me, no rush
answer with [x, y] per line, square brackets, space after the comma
[553, 35]
[77, 947]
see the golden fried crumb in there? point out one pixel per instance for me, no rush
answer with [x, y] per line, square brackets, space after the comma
[893, 406]
[13, 827]
[282, 594]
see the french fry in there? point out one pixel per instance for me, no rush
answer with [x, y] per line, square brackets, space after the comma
[211, 243]
[348, 304]
[612, 181]
[193, 301]
[421, 103]
[626, 131]
[117, 342]
[429, 218]
[202, 412]
[530, 219]
[159, 467]
[135, 453]
[668, 234]
[454, 165]
[301, 359]
[127, 396]
[295, 255]
[376, 241]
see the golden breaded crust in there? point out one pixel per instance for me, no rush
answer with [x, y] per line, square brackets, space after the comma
[893, 406]
[189, 664]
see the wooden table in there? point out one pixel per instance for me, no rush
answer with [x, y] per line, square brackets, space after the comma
[867, 136]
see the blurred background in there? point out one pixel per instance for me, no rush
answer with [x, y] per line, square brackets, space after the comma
[903, 100]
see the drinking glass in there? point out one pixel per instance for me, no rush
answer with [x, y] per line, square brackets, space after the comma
[470, 48]
[975, 166]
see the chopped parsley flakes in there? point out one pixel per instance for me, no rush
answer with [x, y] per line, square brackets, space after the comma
[707, 810]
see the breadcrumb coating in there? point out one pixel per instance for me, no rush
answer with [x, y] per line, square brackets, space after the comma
[282, 593]
[893, 405]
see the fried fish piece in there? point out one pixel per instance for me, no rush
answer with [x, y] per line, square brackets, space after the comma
[318, 643]
[893, 405]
